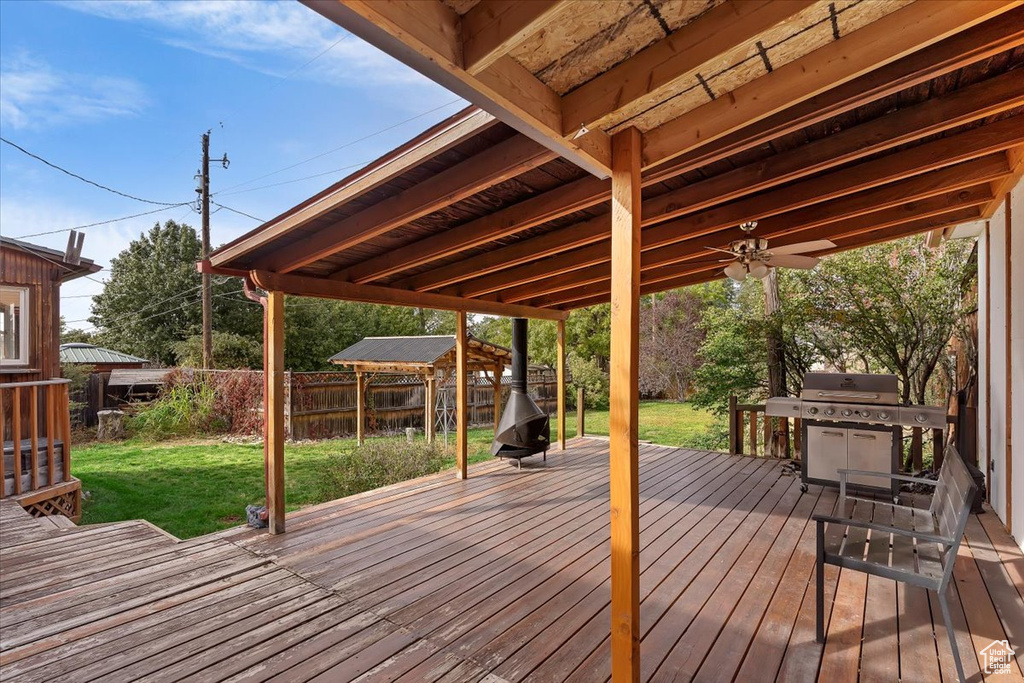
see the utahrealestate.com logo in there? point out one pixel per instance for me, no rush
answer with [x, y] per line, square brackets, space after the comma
[995, 658]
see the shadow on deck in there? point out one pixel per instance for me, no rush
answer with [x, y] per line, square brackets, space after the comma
[502, 577]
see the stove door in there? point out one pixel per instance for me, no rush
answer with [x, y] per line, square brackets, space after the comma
[826, 452]
[870, 450]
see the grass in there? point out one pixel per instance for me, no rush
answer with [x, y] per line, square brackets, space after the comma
[195, 487]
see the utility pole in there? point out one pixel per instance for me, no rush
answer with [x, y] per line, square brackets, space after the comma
[207, 285]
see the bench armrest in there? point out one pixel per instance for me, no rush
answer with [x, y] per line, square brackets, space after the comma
[887, 475]
[919, 535]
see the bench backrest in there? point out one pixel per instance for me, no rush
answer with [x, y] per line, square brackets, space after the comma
[951, 504]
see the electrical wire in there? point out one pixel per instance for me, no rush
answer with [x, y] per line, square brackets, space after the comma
[295, 180]
[240, 213]
[106, 222]
[86, 180]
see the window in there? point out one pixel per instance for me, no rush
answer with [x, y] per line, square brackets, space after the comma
[14, 325]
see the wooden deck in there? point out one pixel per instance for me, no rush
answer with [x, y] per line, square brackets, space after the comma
[501, 577]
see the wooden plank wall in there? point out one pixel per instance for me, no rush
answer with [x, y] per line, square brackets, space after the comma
[42, 278]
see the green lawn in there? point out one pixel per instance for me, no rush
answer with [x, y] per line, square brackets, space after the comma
[196, 487]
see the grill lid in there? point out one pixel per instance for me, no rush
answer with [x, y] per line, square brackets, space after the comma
[838, 387]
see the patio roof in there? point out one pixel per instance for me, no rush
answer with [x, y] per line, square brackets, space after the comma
[420, 354]
[476, 214]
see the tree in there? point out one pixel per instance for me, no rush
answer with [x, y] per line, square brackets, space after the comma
[670, 337]
[70, 336]
[230, 351]
[151, 301]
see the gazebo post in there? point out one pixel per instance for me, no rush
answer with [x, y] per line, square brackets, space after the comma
[360, 407]
[429, 407]
[625, 342]
[461, 400]
[498, 371]
[275, 431]
[561, 383]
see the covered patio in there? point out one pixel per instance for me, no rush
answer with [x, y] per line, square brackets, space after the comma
[500, 577]
[608, 148]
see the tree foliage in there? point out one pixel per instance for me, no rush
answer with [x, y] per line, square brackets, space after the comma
[230, 351]
[670, 337]
[151, 301]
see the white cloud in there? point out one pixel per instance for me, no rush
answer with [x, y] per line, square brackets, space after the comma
[36, 95]
[271, 37]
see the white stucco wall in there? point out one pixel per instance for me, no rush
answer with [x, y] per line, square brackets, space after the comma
[1004, 355]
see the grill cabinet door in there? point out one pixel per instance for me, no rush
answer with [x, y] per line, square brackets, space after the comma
[870, 450]
[826, 452]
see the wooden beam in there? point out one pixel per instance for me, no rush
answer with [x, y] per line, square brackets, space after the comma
[577, 195]
[493, 28]
[490, 272]
[274, 446]
[985, 40]
[360, 407]
[655, 72]
[329, 289]
[966, 148]
[498, 163]
[461, 397]
[426, 35]
[439, 139]
[883, 41]
[623, 416]
[560, 343]
[1001, 187]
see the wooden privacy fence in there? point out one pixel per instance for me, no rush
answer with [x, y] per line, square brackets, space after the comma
[323, 405]
[750, 433]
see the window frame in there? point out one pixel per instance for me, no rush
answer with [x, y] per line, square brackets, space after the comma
[25, 312]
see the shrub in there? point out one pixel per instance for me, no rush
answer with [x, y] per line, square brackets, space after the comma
[587, 374]
[378, 462]
[183, 409]
[230, 351]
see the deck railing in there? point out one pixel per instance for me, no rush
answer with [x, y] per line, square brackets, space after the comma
[36, 435]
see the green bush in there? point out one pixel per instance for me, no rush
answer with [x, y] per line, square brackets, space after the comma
[587, 374]
[184, 409]
[378, 462]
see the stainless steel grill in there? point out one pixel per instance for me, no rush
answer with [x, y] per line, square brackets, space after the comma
[852, 421]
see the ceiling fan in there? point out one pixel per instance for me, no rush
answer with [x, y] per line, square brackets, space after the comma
[751, 256]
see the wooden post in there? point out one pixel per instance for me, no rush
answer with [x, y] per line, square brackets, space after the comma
[461, 402]
[753, 433]
[66, 429]
[581, 411]
[360, 407]
[274, 446]
[3, 432]
[625, 345]
[428, 407]
[498, 370]
[51, 414]
[16, 437]
[734, 427]
[34, 431]
[561, 384]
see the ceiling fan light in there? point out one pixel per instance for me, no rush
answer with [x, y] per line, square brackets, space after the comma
[758, 269]
[737, 271]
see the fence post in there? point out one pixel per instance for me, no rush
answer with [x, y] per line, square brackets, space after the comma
[288, 406]
[581, 409]
[734, 428]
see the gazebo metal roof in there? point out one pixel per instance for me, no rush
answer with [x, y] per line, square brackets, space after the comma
[90, 354]
[419, 351]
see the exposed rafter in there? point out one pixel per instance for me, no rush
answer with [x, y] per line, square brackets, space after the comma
[491, 28]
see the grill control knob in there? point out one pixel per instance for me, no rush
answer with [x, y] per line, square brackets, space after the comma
[830, 411]
[812, 411]
[882, 415]
[921, 417]
[865, 413]
[847, 412]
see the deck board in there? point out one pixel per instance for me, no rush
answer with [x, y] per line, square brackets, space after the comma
[503, 577]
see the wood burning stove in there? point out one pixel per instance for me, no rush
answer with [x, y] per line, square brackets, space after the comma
[524, 428]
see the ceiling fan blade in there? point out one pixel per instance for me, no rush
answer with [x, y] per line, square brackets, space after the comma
[804, 247]
[793, 261]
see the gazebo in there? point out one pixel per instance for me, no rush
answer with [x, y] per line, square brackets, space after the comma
[430, 357]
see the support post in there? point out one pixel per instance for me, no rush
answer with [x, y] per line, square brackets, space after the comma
[581, 410]
[498, 370]
[429, 407]
[360, 407]
[734, 427]
[625, 344]
[274, 445]
[561, 384]
[461, 400]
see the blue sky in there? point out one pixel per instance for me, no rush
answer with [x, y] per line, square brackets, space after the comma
[120, 92]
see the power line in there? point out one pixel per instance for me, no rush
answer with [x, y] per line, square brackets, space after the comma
[86, 180]
[240, 213]
[294, 180]
[341, 147]
[106, 222]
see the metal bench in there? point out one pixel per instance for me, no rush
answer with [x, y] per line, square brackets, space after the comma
[912, 545]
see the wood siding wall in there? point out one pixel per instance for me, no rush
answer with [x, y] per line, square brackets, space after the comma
[20, 269]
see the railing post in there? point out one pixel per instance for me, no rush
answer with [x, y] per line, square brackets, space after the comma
[3, 435]
[16, 437]
[734, 428]
[34, 431]
[581, 410]
[66, 428]
[753, 433]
